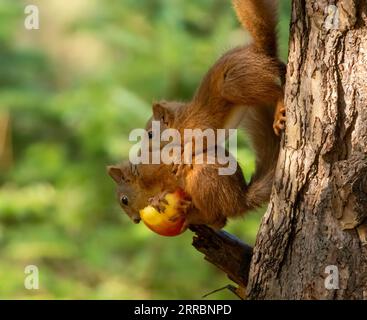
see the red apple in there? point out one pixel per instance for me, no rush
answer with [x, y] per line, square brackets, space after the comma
[168, 223]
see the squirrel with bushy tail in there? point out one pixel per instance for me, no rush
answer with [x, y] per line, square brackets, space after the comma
[244, 88]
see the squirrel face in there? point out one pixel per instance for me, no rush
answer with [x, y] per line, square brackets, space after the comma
[137, 184]
[127, 190]
[165, 113]
[126, 196]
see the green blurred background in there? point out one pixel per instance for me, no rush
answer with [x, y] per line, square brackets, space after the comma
[69, 95]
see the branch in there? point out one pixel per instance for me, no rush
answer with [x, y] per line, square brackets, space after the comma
[225, 251]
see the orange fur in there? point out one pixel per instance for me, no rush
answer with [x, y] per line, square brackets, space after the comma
[243, 87]
[219, 197]
[259, 17]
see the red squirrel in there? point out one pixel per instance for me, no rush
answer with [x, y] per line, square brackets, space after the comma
[212, 198]
[243, 88]
[240, 85]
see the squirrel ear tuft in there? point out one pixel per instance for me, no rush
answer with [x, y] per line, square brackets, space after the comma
[115, 173]
[162, 113]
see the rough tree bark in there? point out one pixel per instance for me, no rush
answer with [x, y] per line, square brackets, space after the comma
[316, 222]
[317, 214]
[227, 253]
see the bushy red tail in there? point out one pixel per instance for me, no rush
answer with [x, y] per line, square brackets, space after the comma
[259, 17]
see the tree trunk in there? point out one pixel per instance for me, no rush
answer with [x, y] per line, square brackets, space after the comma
[316, 222]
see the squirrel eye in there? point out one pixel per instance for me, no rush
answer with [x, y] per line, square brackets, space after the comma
[124, 200]
[150, 134]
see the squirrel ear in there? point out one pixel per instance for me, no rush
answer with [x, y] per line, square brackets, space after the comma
[123, 173]
[115, 173]
[162, 113]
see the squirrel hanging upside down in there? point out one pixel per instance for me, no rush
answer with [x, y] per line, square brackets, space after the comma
[212, 197]
[243, 88]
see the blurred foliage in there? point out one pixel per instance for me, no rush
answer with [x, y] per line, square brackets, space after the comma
[74, 89]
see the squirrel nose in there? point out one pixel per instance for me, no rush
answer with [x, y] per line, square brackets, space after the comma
[136, 220]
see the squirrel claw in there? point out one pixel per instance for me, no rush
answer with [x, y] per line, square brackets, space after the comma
[279, 122]
[183, 206]
[159, 202]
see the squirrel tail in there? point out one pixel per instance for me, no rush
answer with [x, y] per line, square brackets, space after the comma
[258, 124]
[259, 17]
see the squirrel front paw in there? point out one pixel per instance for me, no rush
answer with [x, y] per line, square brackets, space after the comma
[159, 201]
[183, 206]
[183, 163]
[279, 121]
